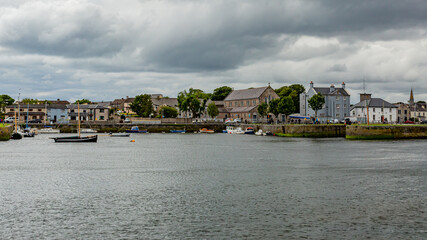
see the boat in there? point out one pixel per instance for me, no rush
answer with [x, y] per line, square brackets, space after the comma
[28, 132]
[177, 131]
[230, 129]
[48, 130]
[135, 129]
[92, 138]
[16, 135]
[205, 130]
[260, 133]
[249, 130]
[79, 138]
[239, 130]
[119, 134]
[88, 130]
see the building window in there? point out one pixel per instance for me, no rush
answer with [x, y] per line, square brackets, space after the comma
[338, 106]
[373, 117]
[373, 110]
[406, 111]
[338, 98]
[345, 105]
[231, 104]
[247, 103]
[39, 110]
[241, 103]
[344, 98]
[254, 102]
[101, 117]
[30, 109]
[101, 110]
[399, 111]
[12, 110]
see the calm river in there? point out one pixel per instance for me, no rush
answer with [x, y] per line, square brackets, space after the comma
[194, 186]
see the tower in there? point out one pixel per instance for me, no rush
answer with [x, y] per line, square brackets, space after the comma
[411, 99]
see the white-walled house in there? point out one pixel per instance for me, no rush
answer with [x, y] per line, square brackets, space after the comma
[380, 111]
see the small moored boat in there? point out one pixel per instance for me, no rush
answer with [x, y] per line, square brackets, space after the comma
[177, 131]
[249, 130]
[119, 134]
[205, 130]
[135, 129]
[73, 139]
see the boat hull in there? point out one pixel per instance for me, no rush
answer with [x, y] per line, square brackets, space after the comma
[136, 131]
[120, 135]
[76, 139]
[177, 131]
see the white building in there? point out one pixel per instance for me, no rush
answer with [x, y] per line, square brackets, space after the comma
[380, 111]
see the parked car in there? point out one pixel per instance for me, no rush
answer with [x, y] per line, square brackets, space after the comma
[424, 122]
[35, 121]
[9, 120]
[127, 120]
[237, 120]
[228, 120]
[409, 122]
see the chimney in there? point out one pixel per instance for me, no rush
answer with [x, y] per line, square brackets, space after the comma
[343, 85]
[332, 88]
[365, 96]
[127, 97]
[311, 84]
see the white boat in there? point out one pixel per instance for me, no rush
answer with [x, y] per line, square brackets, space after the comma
[259, 133]
[87, 130]
[48, 130]
[230, 129]
[239, 130]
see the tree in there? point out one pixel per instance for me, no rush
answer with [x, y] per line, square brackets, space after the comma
[294, 91]
[273, 107]
[221, 93]
[168, 112]
[212, 110]
[194, 100]
[286, 106]
[262, 109]
[142, 105]
[4, 101]
[316, 102]
[82, 101]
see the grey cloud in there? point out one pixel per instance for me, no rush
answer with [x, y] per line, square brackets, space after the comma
[338, 68]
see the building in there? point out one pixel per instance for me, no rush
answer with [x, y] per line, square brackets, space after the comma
[403, 112]
[88, 112]
[337, 103]
[377, 109]
[418, 111]
[244, 103]
[33, 111]
[57, 113]
[159, 101]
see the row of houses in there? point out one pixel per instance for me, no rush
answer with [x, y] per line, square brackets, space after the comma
[241, 104]
[337, 107]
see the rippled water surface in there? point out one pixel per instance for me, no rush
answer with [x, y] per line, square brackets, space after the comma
[194, 186]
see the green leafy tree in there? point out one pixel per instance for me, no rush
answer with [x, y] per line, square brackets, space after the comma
[82, 101]
[286, 106]
[4, 101]
[194, 100]
[221, 93]
[30, 101]
[273, 107]
[294, 91]
[142, 105]
[213, 110]
[263, 109]
[168, 112]
[316, 103]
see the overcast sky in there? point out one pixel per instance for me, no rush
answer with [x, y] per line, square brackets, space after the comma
[106, 49]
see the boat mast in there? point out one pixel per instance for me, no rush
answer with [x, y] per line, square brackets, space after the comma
[28, 109]
[45, 113]
[16, 126]
[78, 116]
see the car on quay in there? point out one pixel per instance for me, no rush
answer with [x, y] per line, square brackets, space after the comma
[409, 122]
[9, 120]
[35, 121]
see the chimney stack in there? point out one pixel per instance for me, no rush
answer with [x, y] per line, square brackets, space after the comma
[343, 85]
[332, 88]
[365, 96]
[311, 84]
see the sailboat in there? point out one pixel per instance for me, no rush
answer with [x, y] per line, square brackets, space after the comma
[78, 138]
[27, 130]
[16, 135]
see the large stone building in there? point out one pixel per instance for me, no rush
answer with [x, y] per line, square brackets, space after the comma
[33, 111]
[337, 103]
[88, 112]
[376, 110]
[244, 103]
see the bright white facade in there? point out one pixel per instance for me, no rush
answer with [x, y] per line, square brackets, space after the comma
[380, 111]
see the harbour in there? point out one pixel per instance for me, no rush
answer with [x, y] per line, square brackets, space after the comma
[213, 186]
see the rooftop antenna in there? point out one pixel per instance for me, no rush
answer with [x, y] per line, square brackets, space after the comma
[364, 85]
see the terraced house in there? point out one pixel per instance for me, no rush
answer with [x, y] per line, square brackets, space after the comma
[244, 103]
[88, 112]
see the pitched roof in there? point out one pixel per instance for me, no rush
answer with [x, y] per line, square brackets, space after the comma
[172, 102]
[86, 106]
[326, 91]
[374, 102]
[245, 93]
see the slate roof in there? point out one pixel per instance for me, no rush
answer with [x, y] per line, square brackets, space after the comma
[373, 102]
[86, 106]
[245, 94]
[326, 91]
[172, 102]
[25, 106]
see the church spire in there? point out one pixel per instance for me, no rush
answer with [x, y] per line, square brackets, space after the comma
[411, 98]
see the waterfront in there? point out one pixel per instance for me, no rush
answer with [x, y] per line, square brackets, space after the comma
[219, 186]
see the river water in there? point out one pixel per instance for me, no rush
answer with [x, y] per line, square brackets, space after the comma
[220, 186]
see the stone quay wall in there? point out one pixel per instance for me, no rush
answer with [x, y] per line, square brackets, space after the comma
[6, 132]
[386, 132]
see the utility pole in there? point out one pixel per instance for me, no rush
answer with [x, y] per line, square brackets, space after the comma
[19, 109]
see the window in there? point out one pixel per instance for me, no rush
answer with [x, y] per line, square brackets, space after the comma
[338, 98]
[101, 118]
[345, 105]
[344, 98]
[373, 110]
[254, 102]
[406, 111]
[12, 110]
[101, 110]
[84, 111]
[338, 106]
[373, 117]
[398, 111]
[247, 103]
[241, 103]
[230, 104]
[30, 110]
[39, 110]
[337, 115]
